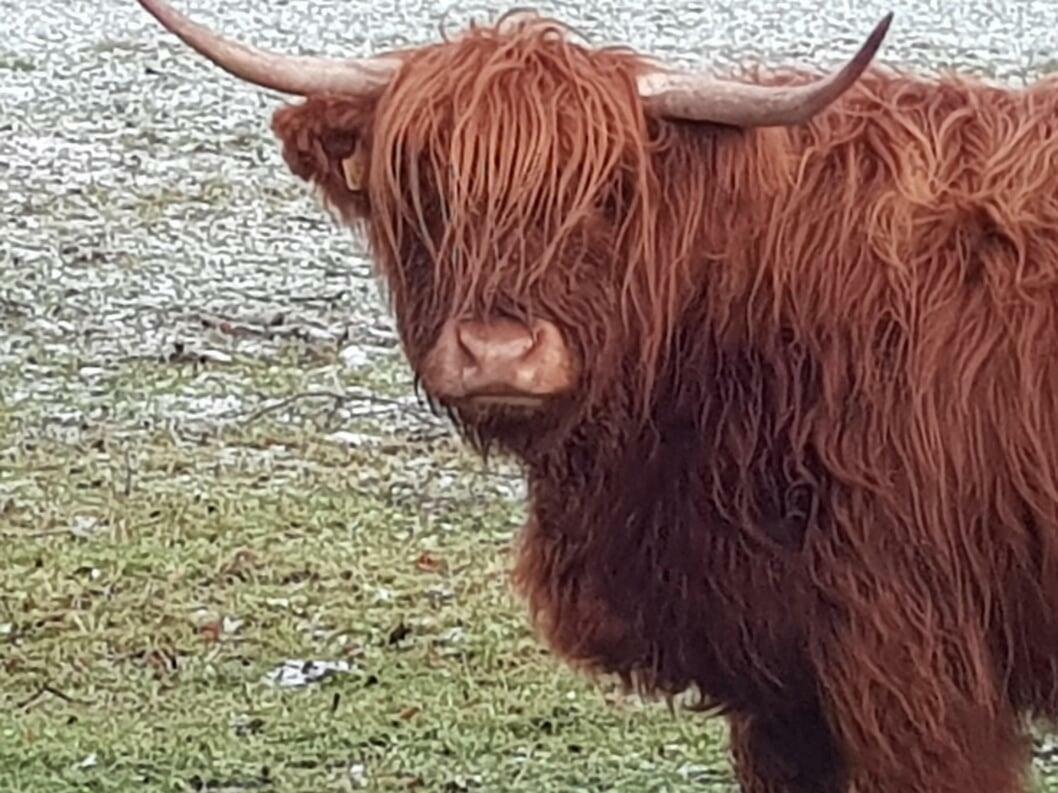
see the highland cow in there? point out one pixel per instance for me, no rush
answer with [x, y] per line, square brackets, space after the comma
[779, 355]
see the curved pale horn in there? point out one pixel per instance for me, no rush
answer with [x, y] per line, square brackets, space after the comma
[289, 74]
[698, 98]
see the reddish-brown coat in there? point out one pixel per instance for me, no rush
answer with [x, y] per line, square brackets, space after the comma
[812, 466]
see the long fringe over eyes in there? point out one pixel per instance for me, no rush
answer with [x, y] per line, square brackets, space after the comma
[529, 142]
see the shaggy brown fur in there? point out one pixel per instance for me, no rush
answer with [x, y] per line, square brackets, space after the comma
[812, 468]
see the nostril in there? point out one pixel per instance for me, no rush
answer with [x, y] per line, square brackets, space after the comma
[473, 344]
[465, 344]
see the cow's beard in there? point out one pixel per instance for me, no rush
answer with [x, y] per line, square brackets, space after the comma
[524, 431]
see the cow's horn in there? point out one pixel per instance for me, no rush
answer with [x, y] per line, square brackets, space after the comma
[289, 74]
[698, 98]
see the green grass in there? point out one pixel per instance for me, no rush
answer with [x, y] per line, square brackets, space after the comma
[151, 582]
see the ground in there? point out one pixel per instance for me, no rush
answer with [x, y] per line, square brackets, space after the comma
[152, 586]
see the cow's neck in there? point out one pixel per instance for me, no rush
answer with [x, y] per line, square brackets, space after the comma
[710, 419]
[622, 527]
[715, 436]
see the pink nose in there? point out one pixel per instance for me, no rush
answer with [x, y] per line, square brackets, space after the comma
[502, 359]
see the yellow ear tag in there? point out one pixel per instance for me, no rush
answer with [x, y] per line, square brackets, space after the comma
[353, 169]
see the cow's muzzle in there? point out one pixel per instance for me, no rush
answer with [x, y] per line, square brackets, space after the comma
[500, 362]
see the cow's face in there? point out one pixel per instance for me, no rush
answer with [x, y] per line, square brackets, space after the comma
[507, 185]
[500, 184]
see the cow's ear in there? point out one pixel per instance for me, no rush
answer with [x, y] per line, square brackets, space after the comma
[326, 142]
